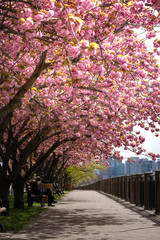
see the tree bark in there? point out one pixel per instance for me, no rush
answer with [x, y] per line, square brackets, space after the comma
[15, 102]
[4, 192]
[18, 186]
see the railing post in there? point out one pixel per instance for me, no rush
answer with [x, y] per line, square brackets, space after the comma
[115, 183]
[132, 189]
[122, 187]
[157, 192]
[138, 189]
[102, 186]
[111, 186]
[146, 190]
[119, 187]
[152, 191]
[99, 185]
[142, 190]
[126, 189]
[116, 188]
[105, 187]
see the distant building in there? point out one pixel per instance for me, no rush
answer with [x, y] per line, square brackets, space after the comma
[158, 164]
[120, 169]
[117, 168]
[133, 165]
[147, 166]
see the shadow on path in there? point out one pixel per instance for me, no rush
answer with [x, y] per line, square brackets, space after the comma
[87, 215]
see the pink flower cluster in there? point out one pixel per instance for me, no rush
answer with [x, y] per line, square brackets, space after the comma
[150, 35]
[86, 4]
[137, 7]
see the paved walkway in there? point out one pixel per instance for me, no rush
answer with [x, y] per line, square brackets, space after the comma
[88, 215]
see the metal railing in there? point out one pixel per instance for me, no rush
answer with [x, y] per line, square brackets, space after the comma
[139, 189]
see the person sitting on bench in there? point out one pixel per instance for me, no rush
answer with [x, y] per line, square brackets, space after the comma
[40, 190]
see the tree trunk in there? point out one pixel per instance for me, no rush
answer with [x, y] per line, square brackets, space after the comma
[16, 100]
[4, 192]
[18, 186]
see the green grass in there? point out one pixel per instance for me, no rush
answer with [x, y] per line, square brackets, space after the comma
[18, 218]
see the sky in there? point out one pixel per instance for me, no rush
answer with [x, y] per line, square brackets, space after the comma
[152, 143]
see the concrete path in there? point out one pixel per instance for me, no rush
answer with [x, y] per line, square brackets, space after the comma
[88, 215]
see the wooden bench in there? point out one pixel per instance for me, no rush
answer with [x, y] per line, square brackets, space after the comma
[49, 186]
[31, 197]
[2, 209]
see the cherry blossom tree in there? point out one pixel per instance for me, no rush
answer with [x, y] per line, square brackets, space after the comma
[83, 174]
[75, 75]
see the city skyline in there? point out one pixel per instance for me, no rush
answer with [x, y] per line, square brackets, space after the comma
[134, 165]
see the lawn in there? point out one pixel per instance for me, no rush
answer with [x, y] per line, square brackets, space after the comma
[18, 218]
